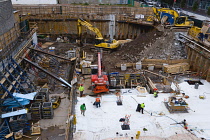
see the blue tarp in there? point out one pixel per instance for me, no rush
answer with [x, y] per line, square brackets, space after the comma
[23, 99]
[13, 103]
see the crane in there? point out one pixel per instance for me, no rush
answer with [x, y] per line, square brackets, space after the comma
[100, 82]
[100, 42]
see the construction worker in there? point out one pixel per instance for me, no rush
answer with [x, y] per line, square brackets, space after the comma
[201, 36]
[185, 124]
[81, 90]
[82, 109]
[142, 108]
[98, 102]
[155, 94]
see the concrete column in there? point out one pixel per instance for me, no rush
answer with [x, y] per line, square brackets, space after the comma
[112, 26]
[34, 37]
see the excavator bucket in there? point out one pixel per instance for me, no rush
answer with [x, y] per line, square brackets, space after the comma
[160, 28]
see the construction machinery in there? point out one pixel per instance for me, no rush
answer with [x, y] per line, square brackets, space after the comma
[170, 18]
[56, 100]
[100, 42]
[200, 34]
[100, 82]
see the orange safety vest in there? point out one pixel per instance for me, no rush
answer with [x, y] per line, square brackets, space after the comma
[97, 99]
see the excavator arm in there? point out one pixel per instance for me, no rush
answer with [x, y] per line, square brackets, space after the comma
[170, 18]
[84, 23]
[99, 40]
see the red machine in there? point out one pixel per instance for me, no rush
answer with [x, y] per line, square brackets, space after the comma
[99, 81]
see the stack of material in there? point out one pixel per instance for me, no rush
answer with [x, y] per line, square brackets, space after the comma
[35, 129]
[85, 65]
[176, 68]
[40, 97]
[89, 58]
[44, 91]
[36, 111]
[47, 110]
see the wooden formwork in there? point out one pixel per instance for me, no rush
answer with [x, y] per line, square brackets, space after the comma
[158, 63]
[199, 63]
[62, 19]
[9, 37]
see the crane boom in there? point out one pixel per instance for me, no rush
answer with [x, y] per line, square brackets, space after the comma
[99, 65]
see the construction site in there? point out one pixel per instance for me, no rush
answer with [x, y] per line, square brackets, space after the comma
[57, 57]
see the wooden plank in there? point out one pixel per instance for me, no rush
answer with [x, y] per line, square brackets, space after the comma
[47, 44]
[14, 82]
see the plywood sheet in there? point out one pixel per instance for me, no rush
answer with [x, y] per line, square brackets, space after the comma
[47, 44]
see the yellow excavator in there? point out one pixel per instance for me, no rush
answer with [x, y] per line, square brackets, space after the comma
[170, 18]
[202, 34]
[100, 42]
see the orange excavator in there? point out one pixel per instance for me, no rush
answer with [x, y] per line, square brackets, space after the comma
[100, 82]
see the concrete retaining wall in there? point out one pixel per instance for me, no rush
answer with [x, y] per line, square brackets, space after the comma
[94, 1]
[34, 1]
[6, 16]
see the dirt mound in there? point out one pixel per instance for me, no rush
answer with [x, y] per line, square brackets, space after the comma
[151, 45]
[130, 52]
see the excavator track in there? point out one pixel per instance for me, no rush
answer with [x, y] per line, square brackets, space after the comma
[107, 51]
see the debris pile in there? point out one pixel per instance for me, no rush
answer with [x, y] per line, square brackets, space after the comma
[151, 45]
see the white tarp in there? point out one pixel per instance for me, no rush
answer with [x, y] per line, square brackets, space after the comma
[14, 113]
[29, 96]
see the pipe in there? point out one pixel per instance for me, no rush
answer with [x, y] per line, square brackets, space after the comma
[48, 73]
[194, 42]
[52, 54]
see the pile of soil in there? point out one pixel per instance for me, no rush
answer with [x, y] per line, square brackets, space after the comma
[151, 45]
[131, 52]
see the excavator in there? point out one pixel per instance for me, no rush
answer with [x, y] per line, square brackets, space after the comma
[100, 82]
[170, 18]
[100, 42]
[201, 34]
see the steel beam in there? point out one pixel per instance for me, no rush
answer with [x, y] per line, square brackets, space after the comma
[72, 59]
[48, 73]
